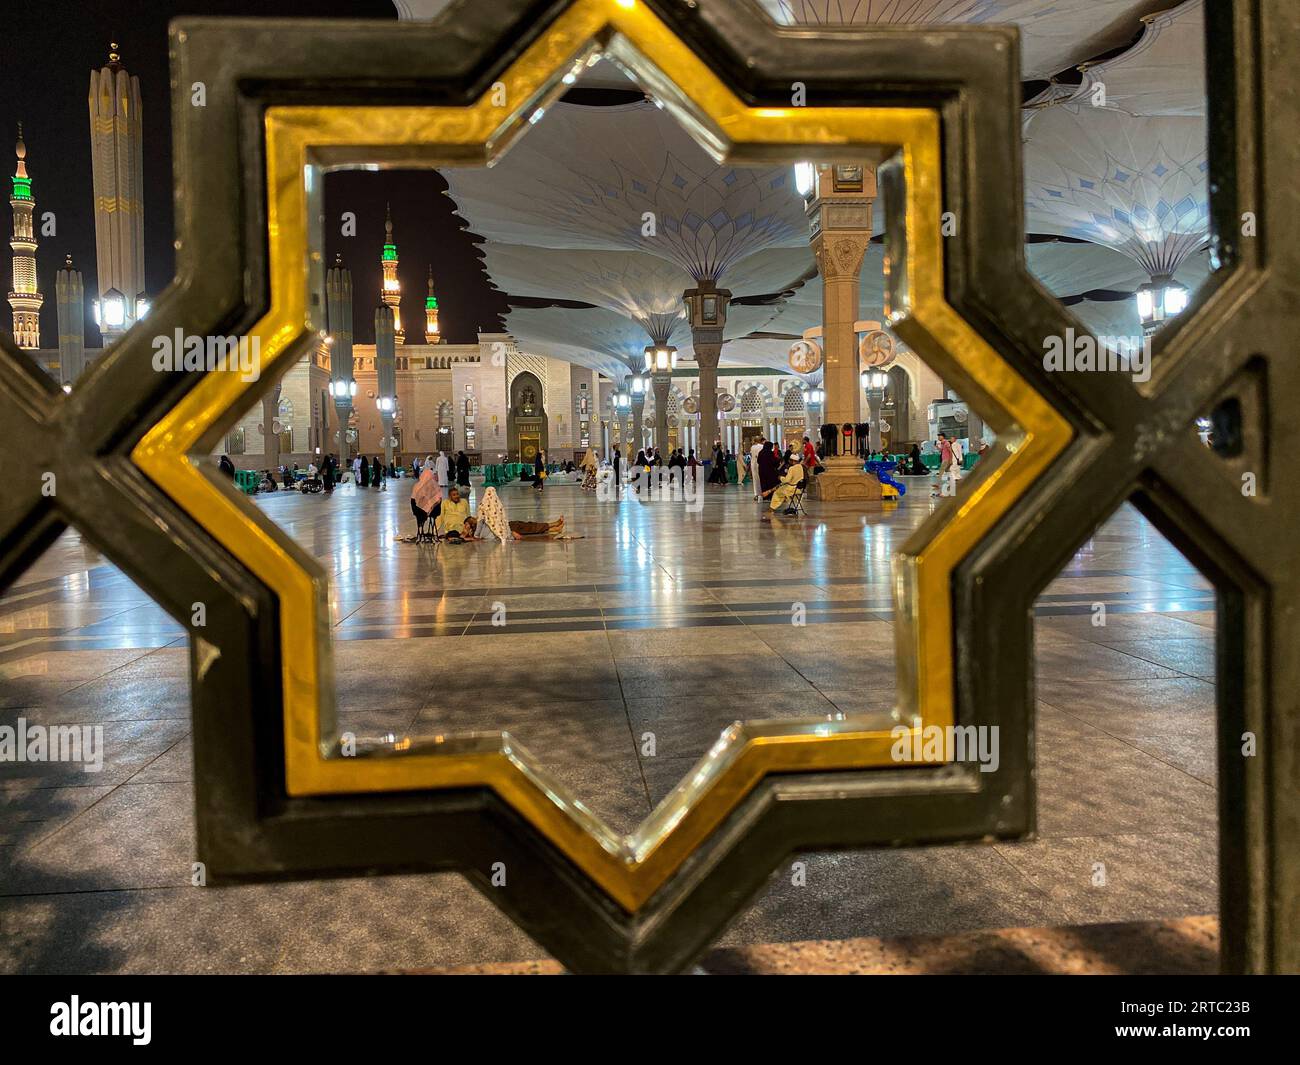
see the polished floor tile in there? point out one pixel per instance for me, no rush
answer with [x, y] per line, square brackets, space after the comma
[616, 660]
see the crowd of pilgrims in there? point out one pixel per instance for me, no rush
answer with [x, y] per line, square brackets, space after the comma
[440, 502]
[775, 474]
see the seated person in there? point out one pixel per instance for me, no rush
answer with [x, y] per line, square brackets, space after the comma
[454, 514]
[784, 492]
[426, 502]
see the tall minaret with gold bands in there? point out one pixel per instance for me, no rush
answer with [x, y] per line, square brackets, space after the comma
[392, 294]
[432, 332]
[117, 162]
[23, 297]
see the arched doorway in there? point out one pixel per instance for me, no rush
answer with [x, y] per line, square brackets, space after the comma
[526, 421]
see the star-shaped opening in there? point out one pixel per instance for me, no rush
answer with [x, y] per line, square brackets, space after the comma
[304, 141]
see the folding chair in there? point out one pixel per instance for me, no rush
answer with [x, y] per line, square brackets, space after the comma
[796, 501]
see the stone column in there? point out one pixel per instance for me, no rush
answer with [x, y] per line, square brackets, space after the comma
[840, 219]
[662, 383]
[638, 416]
[386, 375]
[706, 313]
[839, 256]
[707, 352]
[270, 438]
[875, 397]
[72, 322]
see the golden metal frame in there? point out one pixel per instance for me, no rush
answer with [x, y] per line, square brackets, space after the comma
[303, 142]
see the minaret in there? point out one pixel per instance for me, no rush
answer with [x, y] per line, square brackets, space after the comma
[431, 333]
[392, 295]
[71, 298]
[23, 297]
[117, 162]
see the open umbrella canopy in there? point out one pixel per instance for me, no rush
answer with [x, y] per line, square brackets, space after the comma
[629, 177]
[1134, 184]
[1054, 34]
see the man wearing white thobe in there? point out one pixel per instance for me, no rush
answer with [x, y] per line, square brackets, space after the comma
[440, 467]
[754, 452]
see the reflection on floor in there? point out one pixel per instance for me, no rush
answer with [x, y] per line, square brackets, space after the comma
[661, 619]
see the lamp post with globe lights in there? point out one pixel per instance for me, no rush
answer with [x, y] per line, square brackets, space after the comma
[342, 386]
[875, 382]
[838, 199]
[660, 362]
[386, 375]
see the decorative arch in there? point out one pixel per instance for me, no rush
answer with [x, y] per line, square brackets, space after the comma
[526, 421]
[753, 404]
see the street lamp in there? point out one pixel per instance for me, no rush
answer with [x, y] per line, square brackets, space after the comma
[875, 382]
[1159, 300]
[660, 362]
[110, 312]
[660, 358]
[343, 389]
[805, 178]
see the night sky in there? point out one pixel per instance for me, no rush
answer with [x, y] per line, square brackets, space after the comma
[43, 83]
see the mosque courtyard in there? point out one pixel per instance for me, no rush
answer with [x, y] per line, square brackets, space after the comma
[615, 659]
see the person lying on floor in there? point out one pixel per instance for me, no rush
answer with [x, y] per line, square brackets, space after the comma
[492, 519]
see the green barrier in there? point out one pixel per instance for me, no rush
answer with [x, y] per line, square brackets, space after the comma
[246, 481]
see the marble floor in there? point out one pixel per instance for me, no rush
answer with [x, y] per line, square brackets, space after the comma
[661, 619]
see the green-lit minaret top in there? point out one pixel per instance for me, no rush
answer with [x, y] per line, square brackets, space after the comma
[392, 294]
[432, 334]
